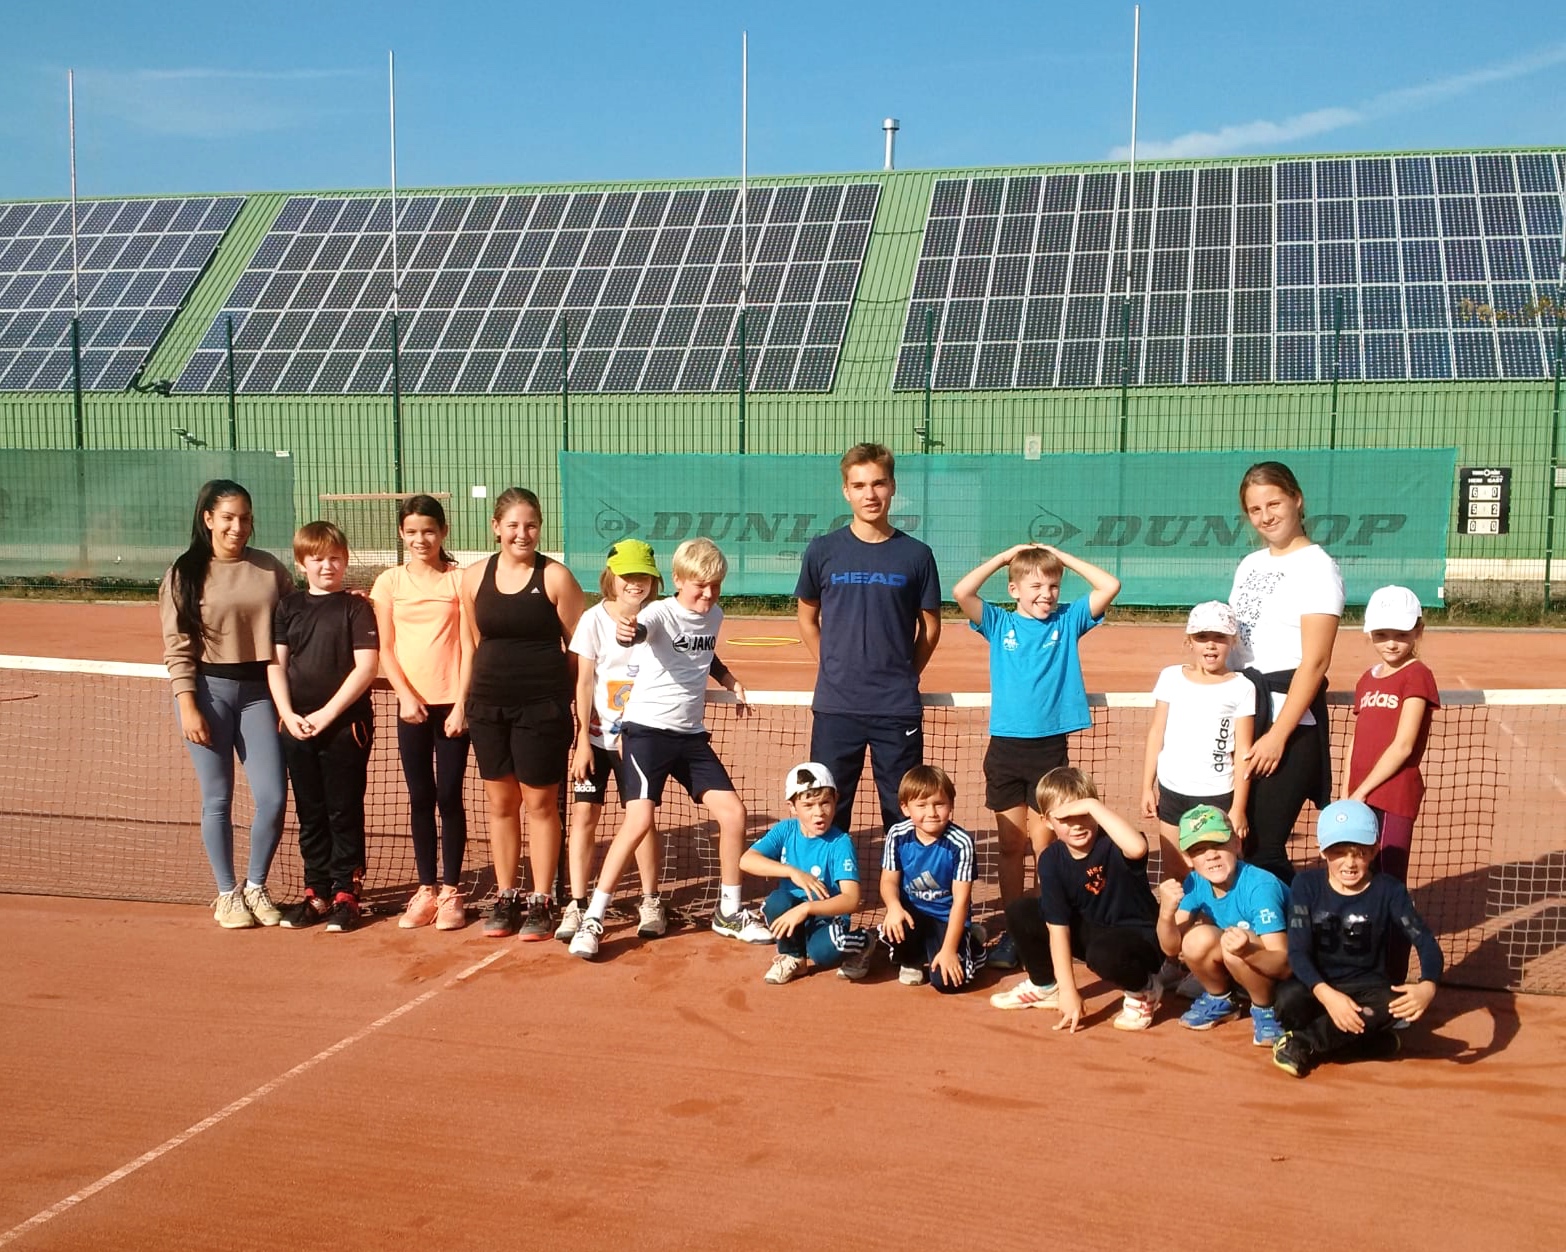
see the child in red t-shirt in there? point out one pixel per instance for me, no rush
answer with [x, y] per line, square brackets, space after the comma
[1393, 703]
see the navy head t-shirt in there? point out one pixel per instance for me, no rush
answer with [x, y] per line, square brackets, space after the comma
[870, 596]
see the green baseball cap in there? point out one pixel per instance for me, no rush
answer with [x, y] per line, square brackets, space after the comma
[632, 556]
[1204, 824]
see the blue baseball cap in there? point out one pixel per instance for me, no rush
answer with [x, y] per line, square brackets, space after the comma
[1347, 821]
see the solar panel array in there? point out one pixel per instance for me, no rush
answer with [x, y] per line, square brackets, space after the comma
[1438, 264]
[645, 284]
[138, 261]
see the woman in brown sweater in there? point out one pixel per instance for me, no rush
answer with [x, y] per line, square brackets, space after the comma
[216, 604]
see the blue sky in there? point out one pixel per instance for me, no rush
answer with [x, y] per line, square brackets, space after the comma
[187, 95]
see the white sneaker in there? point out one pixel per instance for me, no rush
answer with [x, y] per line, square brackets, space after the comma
[784, 968]
[585, 943]
[1025, 995]
[652, 919]
[570, 922]
[745, 925]
[910, 975]
[261, 907]
[1137, 1011]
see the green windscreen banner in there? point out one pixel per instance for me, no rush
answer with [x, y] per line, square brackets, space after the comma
[106, 515]
[1168, 525]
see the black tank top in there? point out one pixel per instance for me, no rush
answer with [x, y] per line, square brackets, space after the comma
[519, 659]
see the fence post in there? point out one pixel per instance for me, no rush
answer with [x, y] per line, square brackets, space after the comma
[1337, 365]
[565, 386]
[1550, 486]
[233, 421]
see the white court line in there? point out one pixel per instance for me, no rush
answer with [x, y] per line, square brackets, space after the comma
[244, 1102]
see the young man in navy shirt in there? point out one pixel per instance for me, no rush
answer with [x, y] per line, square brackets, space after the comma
[870, 610]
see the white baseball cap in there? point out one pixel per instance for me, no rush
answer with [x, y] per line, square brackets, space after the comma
[807, 776]
[1212, 615]
[1392, 608]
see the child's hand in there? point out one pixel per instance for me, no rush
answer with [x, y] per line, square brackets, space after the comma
[1170, 893]
[456, 722]
[1416, 997]
[741, 699]
[1235, 942]
[1150, 802]
[625, 631]
[807, 882]
[895, 926]
[296, 726]
[950, 965]
[411, 709]
[1240, 822]
[784, 924]
[1070, 1009]
[1346, 1015]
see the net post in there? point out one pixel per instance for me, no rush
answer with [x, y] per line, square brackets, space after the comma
[742, 372]
[396, 403]
[78, 422]
[228, 358]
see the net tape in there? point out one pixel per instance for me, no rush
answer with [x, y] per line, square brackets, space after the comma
[98, 799]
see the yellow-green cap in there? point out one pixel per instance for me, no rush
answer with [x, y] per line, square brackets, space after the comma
[632, 556]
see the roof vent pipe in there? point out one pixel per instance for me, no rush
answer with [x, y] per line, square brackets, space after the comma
[891, 128]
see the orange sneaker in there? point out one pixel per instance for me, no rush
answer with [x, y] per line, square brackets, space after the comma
[451, 909]
[421, 909]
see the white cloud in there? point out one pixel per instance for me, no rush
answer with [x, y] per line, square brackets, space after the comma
[1243, 136]
[210, 103]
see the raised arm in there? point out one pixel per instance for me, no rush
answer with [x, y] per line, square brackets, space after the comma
[966, 592]
[1104, 586]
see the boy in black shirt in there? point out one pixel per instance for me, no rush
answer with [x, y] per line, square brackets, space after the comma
[1339, 1004]
[1094, 902]
[327, 654]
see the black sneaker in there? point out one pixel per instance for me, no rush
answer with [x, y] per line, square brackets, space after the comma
[1293, 1056]
[505, 915]
[344, 915]
[307, 912]
[539, 923]
[1373, 1045]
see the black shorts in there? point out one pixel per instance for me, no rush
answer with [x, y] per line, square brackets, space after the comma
[650, 757]
[1013, 767]
[594, 789]
[528, 742]
[1172, 805]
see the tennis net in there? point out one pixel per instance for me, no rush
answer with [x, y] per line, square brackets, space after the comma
[98, 799]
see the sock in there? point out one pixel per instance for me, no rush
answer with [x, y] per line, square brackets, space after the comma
[599, 905]
[650, 899]
[730, 900]
[251, 885]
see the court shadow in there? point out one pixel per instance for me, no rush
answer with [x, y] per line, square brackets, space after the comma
[1425, 1039]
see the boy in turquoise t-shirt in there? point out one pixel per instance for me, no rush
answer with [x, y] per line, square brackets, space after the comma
[810, 911]
[1037, 696]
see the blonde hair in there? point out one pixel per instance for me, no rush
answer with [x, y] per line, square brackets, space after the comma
[1064, 783]
[1034, 561]
[700, 560]
[317, 539]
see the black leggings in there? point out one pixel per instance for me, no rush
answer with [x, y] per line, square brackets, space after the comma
[1276, 801]
[1124, 956]
[434, 764]
[1302, 1013]
[329, 772]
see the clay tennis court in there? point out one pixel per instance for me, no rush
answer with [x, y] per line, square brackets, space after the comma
[168, 1084]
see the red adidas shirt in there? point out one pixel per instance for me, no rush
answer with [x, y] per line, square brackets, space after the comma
[1378, 703]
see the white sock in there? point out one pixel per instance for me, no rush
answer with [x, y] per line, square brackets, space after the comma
[730, 900]
[599, 905]
[251, 885]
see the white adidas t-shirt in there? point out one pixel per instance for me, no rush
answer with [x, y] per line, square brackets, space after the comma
[676, 657]
[1197, 756]
[1270, 595]
[615, 668]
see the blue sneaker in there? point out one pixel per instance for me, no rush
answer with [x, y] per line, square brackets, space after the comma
[1004, 954]
[1209, 1011]
[1265, 1027]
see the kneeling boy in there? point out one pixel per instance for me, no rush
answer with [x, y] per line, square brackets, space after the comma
[809, 912]
[1228, 924]
[927, 884]
[1340, 1005]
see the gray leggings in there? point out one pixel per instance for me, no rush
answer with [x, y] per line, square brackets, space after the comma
[243, 721]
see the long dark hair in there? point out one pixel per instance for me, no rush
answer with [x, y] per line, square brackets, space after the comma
[425, 506]
[191, 566]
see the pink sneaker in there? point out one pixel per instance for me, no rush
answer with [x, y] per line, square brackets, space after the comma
[420, 911]
[451, 909]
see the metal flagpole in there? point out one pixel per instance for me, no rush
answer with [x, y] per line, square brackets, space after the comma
[396, 284]
[744, 219]
[76, 276]
[1125, 292]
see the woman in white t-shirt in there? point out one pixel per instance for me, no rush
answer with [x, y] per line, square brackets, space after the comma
[1287, 598]
[1203, 715]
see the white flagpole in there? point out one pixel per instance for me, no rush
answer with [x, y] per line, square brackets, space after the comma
[744, 165]
[76, 277]
[1136, 51]
[391, 86]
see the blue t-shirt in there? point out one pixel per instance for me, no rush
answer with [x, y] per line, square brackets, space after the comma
[830, 857]
[928, 869]
[870, 596]
[1258, 902]
[1036, 686]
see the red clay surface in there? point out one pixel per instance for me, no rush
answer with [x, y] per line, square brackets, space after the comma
[667, 1098]
[1116, 657]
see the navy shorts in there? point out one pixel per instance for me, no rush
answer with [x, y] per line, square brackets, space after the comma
[650, 757]
[594, 789]
[528, 742]
[1172, 805]
[1013, 767]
